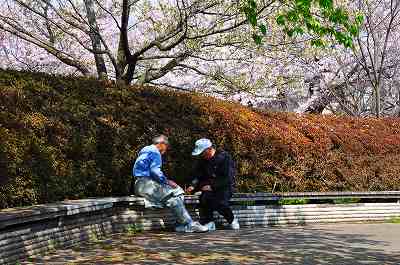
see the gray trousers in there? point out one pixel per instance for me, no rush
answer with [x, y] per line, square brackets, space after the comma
[161, 196]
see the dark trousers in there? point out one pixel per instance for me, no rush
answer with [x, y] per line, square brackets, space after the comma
[132, 186]
[215, 201]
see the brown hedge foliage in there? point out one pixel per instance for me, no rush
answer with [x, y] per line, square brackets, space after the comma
[72, 138]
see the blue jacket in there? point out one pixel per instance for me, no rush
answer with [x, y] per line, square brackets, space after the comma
[148, 164]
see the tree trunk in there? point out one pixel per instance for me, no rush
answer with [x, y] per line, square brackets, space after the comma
[377, 100]
[125, 62]
[128, 76]
[317, 103]
[121, 61]
[96, 41]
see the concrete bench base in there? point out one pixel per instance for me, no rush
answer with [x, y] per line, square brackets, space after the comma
[35, 230]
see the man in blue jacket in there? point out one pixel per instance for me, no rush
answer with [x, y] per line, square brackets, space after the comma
[214, 177]
[157, 189]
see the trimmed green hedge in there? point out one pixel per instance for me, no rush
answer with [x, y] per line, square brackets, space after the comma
[72, 138]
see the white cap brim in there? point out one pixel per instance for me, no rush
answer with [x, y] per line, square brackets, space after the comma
[200, 146]
[198, 151]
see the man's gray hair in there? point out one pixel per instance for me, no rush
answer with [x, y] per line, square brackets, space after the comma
[160, 139]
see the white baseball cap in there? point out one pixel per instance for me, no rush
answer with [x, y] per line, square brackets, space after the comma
[200, 146]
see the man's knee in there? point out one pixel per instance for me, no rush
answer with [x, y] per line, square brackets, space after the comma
[207, 197]
[175, 202]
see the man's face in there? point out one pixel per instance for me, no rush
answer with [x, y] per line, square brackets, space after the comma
[207, 154]
[162, 147]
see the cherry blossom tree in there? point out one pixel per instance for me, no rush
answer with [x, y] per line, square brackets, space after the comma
[208, 46]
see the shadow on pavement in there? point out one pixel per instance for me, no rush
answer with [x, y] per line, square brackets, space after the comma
[287, 245]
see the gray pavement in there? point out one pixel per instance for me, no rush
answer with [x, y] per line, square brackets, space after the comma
[320, 244]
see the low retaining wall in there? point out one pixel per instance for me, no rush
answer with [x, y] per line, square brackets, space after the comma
[34, 230]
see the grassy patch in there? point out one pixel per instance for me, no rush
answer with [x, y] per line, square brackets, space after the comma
[133, 229]
[293, 201]
[246, 203]
[346, 200]
[395, 220]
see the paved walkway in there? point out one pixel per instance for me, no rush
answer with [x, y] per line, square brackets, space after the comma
[324, 244]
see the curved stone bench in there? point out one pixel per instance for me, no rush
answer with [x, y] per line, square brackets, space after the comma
[37, 229]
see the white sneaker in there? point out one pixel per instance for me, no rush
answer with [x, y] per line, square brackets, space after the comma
[195, 227]
[198, 228]
[234, 225]
[210, 226]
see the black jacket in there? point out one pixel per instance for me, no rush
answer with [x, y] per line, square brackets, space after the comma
[219, 172]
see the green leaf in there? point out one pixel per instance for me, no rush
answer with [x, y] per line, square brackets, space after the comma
[292, 16]
[354, 30]
[359, 19]
[252, 4]
[317, 43]
[280, 20]
[303, 5]
[290, 32]
[263, 29]
[246, 10]
[326, 4]
[298, 30]
[318, 18]
[257, 39]
[348, 42]
[252, 18]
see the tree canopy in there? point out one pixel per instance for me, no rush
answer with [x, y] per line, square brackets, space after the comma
[322, 19]
[296, 55]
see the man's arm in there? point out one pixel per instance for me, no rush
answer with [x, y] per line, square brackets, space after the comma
[155, 169]
[225, 181]
[198, 175]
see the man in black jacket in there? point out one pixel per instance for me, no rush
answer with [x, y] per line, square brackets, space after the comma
[214, 177]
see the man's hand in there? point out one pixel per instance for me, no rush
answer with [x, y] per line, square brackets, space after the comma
[190, 189]
[172, 183]
[206, 188]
